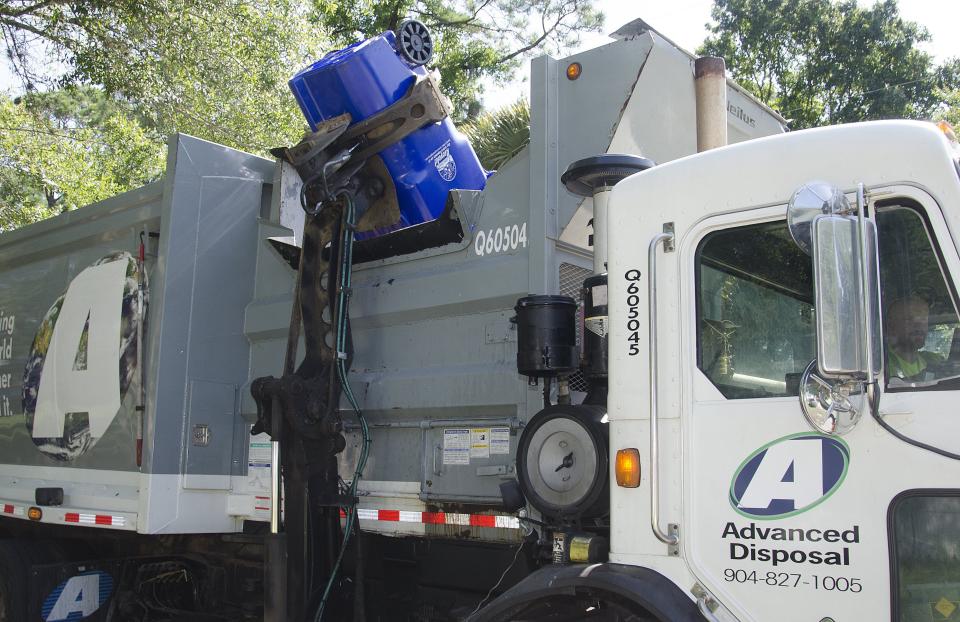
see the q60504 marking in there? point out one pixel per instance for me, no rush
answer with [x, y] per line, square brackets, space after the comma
[500, 240]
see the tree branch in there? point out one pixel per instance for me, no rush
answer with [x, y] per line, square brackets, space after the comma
[19, 25]
[546, 33]
[32, 8]
[444, 23]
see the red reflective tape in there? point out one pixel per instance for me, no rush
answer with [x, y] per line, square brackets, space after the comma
[483, 520]
[391, 515]
[71, 517]
[8, 509]
[434, 518]
[103, 520]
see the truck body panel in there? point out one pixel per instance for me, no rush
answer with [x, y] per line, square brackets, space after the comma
[198, 229]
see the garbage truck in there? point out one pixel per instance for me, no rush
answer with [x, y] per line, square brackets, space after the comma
[616, 379]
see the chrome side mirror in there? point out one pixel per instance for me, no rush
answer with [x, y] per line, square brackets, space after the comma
[842, 243]
[840, 289]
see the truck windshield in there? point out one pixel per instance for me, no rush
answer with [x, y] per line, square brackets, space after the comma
[755, 303]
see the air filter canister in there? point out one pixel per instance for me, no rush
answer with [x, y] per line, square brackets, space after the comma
[546, 336]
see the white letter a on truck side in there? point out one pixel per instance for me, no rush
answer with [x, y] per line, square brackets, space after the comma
[97, 294]
[805, 458]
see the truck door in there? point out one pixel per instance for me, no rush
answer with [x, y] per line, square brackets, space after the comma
[783, 522]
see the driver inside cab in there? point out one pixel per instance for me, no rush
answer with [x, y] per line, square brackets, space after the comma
[907, 324]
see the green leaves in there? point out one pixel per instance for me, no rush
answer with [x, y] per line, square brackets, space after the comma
[65, 149]
[821, 62]
[217, 70]
[211, 69]
[499, 135]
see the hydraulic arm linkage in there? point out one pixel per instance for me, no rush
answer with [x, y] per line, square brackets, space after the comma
[346, 188]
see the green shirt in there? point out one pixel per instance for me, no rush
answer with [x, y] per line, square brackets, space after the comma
[899, 367]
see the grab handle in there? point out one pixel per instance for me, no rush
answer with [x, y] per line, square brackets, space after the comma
[666, 538]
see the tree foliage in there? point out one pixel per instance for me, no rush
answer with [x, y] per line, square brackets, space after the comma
[951, 112]
[63, 149]
[821, 62]
[499, 135]
[212, 69]
[474, 39]
[217, 70]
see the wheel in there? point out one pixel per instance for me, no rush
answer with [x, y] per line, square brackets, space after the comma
[15, 562]
[582, 605]
[415, 42]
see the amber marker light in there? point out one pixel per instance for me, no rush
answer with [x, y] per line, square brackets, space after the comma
[34, 513]
[574, 70]
[948, 131]
[628, 468]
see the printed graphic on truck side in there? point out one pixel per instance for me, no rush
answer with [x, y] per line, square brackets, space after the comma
[83, 359]
[789, 475]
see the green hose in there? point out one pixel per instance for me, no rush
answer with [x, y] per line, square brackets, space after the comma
[346, 273]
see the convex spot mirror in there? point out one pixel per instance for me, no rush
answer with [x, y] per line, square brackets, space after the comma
[830, 405]
[809, 201]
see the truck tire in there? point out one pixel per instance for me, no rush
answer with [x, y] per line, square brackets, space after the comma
[14, 566]
[609, 592]
[582, 605]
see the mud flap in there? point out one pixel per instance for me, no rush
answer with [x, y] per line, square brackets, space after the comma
[72, 591]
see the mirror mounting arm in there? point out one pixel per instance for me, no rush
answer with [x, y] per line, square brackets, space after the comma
[873, 394]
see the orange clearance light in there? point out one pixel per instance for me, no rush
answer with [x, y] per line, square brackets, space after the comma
[628, 468]
[948, 131]
[574, 70]
[34, 513]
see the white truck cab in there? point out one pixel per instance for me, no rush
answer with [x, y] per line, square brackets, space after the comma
[755, 512]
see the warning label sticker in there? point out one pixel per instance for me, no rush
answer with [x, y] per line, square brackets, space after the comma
[258, 463]
[456, 446]
[500, 441]
[480, 442]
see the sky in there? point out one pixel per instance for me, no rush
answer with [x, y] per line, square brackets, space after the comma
[684, 22]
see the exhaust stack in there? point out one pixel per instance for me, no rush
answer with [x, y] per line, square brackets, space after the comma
[710, 83]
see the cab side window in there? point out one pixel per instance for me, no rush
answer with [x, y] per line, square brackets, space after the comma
[756, 323]
[924, 530]
[921, 340]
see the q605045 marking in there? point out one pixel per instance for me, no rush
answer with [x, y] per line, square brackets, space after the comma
[500, 240]
[633, 311]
